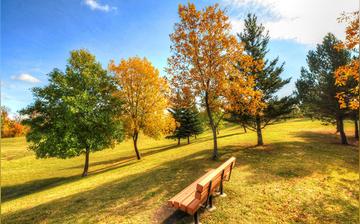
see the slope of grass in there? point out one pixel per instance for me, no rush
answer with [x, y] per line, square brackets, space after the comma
[301, 175]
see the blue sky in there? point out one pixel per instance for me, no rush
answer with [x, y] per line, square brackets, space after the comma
[37, 35]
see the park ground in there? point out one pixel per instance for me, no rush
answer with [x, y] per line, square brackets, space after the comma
[301, 175]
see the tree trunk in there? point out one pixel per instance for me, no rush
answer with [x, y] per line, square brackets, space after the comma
[215, 151]
[356, 129]
[178, 141]
[195, 136]
[344, 141]
[135, 138]
[213, 128]
[244, 127]
[86, 167]
[258, 131]
[337, 126]
[188, 138]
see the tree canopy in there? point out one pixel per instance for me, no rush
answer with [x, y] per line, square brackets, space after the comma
[316, 87]
[11, 127]
[203, 59]
[348, 75]
[267, 79]
[188, 123]
[144, 94]
[76, 112]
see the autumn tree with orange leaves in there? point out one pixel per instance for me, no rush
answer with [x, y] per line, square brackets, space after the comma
[10, 127]
[348, 75]
[350, 72]
[144, 94]
[203, 63]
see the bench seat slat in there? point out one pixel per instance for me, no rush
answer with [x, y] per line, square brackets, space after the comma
[180, 195]
[193, 196]
[190, 190]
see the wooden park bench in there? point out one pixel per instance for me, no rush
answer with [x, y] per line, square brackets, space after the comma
[200, 193]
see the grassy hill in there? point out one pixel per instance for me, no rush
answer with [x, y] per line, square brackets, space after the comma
[301, 175]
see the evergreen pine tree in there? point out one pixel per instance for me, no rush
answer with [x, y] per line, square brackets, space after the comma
[316, 87]
[189, 123]
[268, 80]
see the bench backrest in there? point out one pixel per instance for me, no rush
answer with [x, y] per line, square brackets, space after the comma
[222, 172]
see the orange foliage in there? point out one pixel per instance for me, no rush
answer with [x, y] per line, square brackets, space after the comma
[11, 128]
[144, 94]
[346, 73]
[204, 59]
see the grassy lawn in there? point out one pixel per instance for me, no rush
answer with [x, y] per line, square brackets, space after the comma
[301, 175]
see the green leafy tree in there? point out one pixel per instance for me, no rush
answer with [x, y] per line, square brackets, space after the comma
[268, 79]
[188, 123]
[76, 112]
[316, 89]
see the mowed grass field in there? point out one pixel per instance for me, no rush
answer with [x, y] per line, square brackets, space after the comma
[301, 175]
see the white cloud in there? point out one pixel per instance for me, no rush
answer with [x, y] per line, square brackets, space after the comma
[25, 78]
[95, 5]
[304, 21]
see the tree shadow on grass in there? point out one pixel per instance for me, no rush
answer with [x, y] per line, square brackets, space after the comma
[149, 151]
[120, 199]
[15, 191]
[329, 137]
[318, 153]
[18, 190]
[326, 210]
[230, 135]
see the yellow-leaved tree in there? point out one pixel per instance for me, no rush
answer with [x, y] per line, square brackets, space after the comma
[203, 60]
[144, 94]
[348, 75]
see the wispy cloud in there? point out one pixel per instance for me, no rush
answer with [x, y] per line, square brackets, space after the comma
[25, 77]
[95, 5]
[304, 21]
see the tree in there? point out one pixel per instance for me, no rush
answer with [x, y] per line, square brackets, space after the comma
[188, 123]
[347, 76]
[349, 98]
[316, 87]
[195, 125]
[202, 60]
[144, 94]
[76, 112]
[5, 123]
[11, 127]
[268, 79]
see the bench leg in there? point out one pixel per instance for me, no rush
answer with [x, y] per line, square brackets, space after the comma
[196, 218]
[222, 194]
[210, 206]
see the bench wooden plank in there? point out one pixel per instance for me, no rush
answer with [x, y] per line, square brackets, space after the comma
[184, 194]
[194, 206]
[175, 201]
[185, 203]
[206, 181]
[193, 196]
[203, 194]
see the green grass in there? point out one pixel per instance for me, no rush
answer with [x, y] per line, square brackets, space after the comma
[301, 175]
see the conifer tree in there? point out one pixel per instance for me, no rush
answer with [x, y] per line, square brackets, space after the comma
[316, 87]
[268, 79]
[188, 123]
